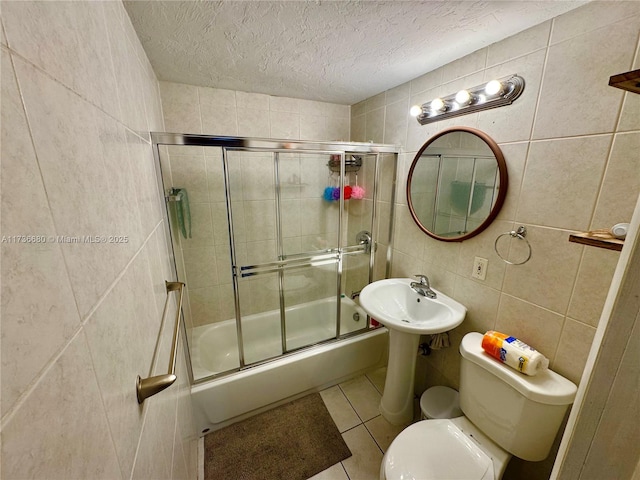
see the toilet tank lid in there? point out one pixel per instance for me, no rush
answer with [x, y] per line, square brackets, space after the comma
[546, 387]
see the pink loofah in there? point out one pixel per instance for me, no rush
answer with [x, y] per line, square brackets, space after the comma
[357, 192]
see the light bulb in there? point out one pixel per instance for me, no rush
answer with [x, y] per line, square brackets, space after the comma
[415, 110]
[493, 87]
[437, 104]
[463, 97]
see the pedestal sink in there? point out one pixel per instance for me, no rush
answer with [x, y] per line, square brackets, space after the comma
[407, 315]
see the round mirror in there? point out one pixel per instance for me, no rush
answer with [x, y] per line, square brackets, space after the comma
[457, 184]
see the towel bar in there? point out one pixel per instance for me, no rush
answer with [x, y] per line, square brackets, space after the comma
[146, 387]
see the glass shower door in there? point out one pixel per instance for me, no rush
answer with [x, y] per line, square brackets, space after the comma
[309, 232]
[285, 252]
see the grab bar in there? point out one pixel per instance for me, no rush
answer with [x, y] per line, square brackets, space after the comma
[146, 387]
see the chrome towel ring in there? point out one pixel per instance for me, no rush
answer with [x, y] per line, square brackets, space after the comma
[520, 234]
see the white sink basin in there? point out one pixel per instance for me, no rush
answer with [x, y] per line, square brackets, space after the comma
[396, 305]
[407, 315]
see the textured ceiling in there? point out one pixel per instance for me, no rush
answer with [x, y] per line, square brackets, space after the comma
[334, 51]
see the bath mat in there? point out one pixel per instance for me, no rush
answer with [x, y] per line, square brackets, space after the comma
[294, 442]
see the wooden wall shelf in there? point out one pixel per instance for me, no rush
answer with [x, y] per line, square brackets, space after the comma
[629, 81]
[599, 241]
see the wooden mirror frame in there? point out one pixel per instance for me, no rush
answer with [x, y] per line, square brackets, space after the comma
[502, 190]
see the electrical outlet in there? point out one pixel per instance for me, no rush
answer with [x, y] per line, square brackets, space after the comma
[480, 268]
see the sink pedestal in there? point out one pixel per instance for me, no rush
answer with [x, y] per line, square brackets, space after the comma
[397, 401]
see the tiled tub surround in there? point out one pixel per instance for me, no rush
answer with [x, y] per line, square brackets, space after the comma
[309, 223]
[573, 166]
[80, 321]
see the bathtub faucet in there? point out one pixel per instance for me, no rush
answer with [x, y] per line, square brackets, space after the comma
[423, 288]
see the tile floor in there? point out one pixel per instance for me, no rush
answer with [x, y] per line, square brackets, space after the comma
[353, 405]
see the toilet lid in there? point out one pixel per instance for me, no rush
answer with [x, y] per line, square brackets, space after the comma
[436, 450]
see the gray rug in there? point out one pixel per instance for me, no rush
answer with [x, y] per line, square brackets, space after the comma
[292, 442]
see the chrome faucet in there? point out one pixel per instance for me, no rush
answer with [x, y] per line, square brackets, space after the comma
[423, 288]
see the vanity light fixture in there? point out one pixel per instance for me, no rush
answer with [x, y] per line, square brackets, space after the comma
[496, 93]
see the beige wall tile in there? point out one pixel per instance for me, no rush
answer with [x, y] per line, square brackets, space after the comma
[313, 127]
[408, 238]
[466, 65]
[483, 246]
[70, 42]
[129, 77]
[154, 459]
[182, 118]
[537, 327]
[338, 128]
[186, 94]
[555, 192]
[520, 44]
[513, 123]
[246, 101]
[3, 36]
[592, 285]
[374, 127]
[358, 128]
[254, 125]
[515, 155]
[98, 173]
[284, 104]
[630, 116]
[547, 278]
[396, 94]
[190, 172]
[427, 81]
[358, 109]
[375, 102]
[150, 198]
[621, 183]
[65, 133]
[214, 96]
[284, 124]
[35, 276]
[589, 17]
[570, 71]
[573, 349]
[395, 122]
[200, 266]
[65, 447]
[482, 305]
[219, 120]
[122, 348]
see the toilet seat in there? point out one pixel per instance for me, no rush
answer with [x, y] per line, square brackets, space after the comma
[435, 450]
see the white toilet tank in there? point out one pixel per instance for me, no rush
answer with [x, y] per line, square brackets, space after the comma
[520, 413]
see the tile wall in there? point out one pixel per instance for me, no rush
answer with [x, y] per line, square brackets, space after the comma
[571, 144]
[80, 321]
[308, 222]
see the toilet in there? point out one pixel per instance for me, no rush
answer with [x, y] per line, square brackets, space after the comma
[505, 413]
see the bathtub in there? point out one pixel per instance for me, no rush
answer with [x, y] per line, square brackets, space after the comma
[223, 400]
